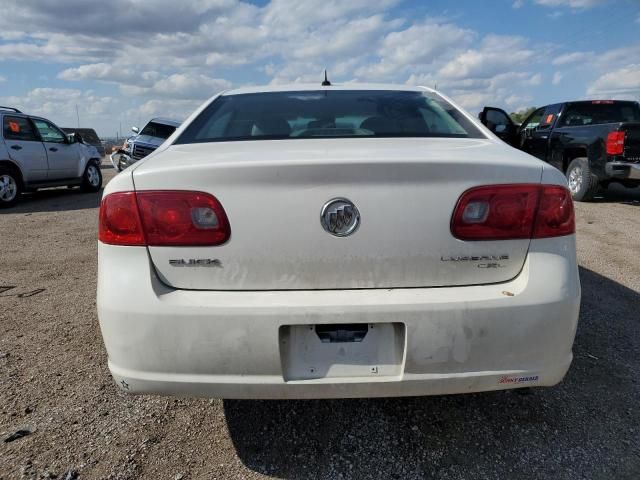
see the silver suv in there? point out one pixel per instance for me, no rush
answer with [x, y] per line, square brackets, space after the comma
[35, 153]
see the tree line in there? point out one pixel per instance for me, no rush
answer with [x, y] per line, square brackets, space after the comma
[520, 116]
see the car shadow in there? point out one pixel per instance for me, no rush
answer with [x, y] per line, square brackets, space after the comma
[618, 194]
[585, 427]
[55, 200]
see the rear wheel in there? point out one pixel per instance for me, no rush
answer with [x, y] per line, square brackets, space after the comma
[9, 188]
[583, 184]
[92, 178]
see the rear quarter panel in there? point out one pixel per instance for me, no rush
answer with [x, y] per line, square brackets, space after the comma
[85, 154]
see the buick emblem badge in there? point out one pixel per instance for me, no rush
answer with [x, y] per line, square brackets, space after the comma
[340, 217]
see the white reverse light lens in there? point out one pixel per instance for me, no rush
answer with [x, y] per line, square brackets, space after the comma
[475, 212]
[204, 217]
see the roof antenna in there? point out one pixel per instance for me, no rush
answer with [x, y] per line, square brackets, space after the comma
[325, 82]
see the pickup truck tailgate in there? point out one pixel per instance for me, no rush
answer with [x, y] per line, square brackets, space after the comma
[631, 141]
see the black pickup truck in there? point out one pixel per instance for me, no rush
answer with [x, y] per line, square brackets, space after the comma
[594, 142]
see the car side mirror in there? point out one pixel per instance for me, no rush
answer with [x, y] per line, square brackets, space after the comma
[135, 129]
[71, 138]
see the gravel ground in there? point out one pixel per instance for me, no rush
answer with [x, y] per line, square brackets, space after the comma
[54, 383]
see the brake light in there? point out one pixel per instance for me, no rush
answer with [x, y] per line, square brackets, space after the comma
[555, 213]
[163, 218]
[119, 220]
[506, 212]
[615, 143]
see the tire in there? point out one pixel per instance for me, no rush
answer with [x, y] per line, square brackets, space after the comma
[92, 178]
[10, 187]
[583, 184]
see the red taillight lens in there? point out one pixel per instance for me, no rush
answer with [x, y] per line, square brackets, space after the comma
[169, 218]
[119, 220]
[506, 212]
[180, 218]
[615, 143]
[555, 214]
[496, 212]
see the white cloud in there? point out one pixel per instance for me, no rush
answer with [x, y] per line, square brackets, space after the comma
[298, 17]
[511, 89]
[164, 57]
[52, 46]
[496, 54]
[573, 57]
[185, 86]
[557, 78]
[59, 104]
[109, 73]
[225, 59]
[11, 35]
[176, 109]
[536, 79]
[577, 4]
[474, 101]
[417, 48]
[615, 58]
[423, 43]
[615, 73]
[355, 35]
[134, 83]
[518, 102]
[621, 83]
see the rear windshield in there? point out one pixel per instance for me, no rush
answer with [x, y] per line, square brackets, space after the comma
[158, 130]
[592, 113]
[323, 114]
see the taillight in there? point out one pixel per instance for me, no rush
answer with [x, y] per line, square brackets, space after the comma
[163, 218]
[119, 220]
[506, 212]
[555, 215]
[615, 143]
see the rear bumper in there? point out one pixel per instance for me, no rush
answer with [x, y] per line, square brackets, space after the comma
[623, 170]
[227, 344]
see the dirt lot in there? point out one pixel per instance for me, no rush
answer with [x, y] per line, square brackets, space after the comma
[54, 382]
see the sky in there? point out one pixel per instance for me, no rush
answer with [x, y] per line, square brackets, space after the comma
[122, 62]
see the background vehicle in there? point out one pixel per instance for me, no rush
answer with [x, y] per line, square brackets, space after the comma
[336, 241]
[35, 153]
[594, 142]
[144, 142]
[89, 137]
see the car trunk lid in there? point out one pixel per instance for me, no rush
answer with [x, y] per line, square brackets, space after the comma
[273, 192]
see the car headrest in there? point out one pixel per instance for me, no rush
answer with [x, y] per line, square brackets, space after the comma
[380, 125]
[271, 126]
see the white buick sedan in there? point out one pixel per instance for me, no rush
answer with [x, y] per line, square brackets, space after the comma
[336, 241]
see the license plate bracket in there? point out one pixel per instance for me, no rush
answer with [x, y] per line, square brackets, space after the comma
[311, 352]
